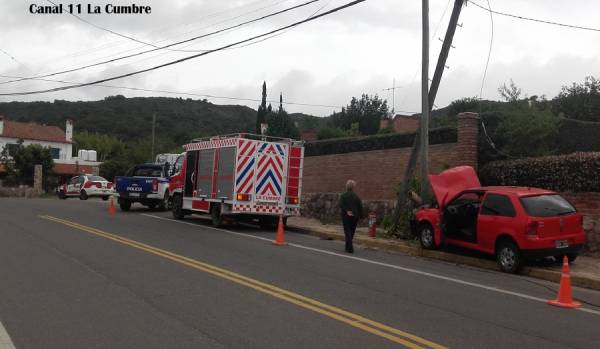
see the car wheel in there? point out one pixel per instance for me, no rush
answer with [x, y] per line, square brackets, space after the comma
[509, 257]
[164, 204]
[178, 207]
[125, 205]
[83, 195]
[62, 195]
[217, 219]
[426, 236]
[105, 198]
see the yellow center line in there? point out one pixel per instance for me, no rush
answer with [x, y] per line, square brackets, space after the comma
[371, 326]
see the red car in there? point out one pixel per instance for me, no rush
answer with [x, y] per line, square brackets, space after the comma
[512, 223]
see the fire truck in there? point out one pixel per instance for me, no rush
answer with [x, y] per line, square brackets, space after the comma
[239, 177]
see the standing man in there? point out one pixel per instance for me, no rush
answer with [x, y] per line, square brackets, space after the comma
[351, 209]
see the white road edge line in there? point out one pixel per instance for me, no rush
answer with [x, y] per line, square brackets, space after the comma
[5, 341]
[397, 267]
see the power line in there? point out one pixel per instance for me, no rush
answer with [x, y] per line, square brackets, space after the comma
[181, 93]
[105, 29]
[167, 46]
[336, 9]
[162, 29]
[535, 19]
[485, 132]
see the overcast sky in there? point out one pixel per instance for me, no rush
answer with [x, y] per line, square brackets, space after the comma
[327, 61]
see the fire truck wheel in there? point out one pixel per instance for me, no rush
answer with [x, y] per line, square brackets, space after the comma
[268, 223]
[178, 207]
[83, 195]
[217, 219]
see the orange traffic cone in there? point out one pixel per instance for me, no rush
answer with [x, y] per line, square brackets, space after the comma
[279, 241]
[111, 207]
[565, 298]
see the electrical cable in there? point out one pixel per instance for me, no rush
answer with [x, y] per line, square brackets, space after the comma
[181, 93]
[485, 132]
[534, 19]
[166, 46]
[336, 9]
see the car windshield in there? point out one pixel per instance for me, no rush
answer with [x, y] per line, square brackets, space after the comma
[97, 179]
[547, 206]
[148, 171]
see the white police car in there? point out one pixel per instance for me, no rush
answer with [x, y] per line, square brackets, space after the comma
[85, 186]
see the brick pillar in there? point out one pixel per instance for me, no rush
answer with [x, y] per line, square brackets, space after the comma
[468, 137]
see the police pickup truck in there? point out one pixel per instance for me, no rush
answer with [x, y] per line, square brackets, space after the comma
[147, 184]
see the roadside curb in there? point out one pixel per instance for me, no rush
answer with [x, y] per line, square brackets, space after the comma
[414, 249]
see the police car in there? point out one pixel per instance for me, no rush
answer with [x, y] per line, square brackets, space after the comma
[85, 186]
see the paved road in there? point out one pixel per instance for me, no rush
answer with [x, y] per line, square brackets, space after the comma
[73, 277]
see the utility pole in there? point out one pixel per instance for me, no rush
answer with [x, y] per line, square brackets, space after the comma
[424, 129]
[437, 77]
[153, 134]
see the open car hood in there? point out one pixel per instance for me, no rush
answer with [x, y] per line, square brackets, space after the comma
[449, 183]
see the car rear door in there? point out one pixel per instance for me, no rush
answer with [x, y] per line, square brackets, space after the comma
[496, 216]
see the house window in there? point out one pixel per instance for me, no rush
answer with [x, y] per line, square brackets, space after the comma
[55, 152]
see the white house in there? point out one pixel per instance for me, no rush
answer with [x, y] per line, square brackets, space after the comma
[60, 143]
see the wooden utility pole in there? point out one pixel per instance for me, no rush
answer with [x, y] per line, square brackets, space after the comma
[424, 129]
[153, 134]
[435, 83]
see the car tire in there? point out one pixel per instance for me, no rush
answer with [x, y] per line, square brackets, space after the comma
[83, 195]
[125, 205]
[62, 195]
[105, 198]
[217, 218]
[178, 212]
[164, 204]
[509, 257]
[426, 236]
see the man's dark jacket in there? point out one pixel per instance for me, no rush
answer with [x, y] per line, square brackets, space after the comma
[349, 201]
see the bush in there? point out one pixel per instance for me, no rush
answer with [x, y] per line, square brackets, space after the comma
[577, 172]
[375, 142]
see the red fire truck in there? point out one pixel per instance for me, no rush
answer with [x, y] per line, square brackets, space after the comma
[240, 177]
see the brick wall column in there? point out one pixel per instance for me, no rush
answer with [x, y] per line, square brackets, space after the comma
[468, 137]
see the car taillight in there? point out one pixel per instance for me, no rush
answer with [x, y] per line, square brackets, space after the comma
[155, 184]
[532, 228]
[88, 184]
[292, 200]
[243, 197]
[98, 185]
[109, 185]
[581, 221]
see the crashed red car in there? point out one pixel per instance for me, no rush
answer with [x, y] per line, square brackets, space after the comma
[512, 223]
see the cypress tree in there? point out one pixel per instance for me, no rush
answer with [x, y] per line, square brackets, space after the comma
[262, 109]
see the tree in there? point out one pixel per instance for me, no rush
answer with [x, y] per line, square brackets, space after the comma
[261, 114]
[280, 123]
[107, 146]
[366, 111]
[510, 93]
[25, 158]
[579, 101]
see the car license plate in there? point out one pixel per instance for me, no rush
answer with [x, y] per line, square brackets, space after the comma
[561, 244]
[134, 195]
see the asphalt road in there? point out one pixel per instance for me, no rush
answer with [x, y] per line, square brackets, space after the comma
[71, 276]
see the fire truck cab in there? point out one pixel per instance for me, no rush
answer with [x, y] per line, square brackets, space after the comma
[240, 177]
